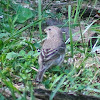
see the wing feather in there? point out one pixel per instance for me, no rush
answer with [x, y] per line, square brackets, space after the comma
[49, 54]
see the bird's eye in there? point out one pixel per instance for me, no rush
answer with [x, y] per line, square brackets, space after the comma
[49, 29]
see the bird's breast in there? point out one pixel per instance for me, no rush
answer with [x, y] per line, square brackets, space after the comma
[52, 43]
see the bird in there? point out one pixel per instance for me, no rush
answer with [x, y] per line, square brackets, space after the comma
[52, 52]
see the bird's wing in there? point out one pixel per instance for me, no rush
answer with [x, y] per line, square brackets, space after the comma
[49, 54]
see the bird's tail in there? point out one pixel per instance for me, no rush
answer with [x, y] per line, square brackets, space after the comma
[40, 74]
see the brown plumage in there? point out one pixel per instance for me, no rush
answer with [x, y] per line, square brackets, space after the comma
[52, 52]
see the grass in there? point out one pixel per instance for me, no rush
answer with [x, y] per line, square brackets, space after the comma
[70, 32]
[19, 40]
[40, 17]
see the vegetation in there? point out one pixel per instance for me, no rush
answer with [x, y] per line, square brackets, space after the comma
[21, 34]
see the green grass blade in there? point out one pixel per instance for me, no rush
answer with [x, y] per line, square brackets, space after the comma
[39, 16]
[79, 2]
[70, 32]
[56, 80]
[58, 87]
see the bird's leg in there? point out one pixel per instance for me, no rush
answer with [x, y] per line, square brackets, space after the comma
[40, 74]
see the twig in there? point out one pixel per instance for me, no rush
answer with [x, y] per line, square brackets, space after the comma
[37, 70]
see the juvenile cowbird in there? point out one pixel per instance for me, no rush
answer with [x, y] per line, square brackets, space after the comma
[52, 52]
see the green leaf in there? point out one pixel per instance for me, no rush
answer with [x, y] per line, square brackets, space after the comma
[23, 14]
[23, 76]
[11, 55]
[30, 53]
[2, 57]
[22, 53]
[1, 44]
[57, 69]
[3, 35]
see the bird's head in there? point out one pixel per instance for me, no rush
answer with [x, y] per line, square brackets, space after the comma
[52, 31]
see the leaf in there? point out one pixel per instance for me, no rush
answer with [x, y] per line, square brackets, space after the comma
[23, 76]
[2, 57]
[57, 69]
[30, 53]
[3, 35]
[1, 44]
[22, 53]
[23, 14]
[11, 55]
